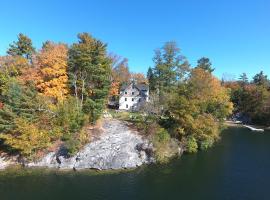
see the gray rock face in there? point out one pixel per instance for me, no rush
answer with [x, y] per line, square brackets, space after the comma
[6, 161]
[3, 163]
[117, 148]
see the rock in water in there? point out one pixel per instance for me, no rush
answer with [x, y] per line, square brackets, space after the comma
[117, 148]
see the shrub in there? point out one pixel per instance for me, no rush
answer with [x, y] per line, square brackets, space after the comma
[93, 109]
[69, 116]
[74, 142]
[207, 143]
[191, 145]
[165, 147]
[72, 146]
[166, 150]
[151, 129]
[162, 135]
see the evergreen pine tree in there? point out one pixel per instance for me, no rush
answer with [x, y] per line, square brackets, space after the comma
[205, 64]
[89, 74]
[23, 47]
[151, 80]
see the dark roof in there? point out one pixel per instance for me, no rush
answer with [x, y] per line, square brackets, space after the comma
[123, 87]
[140, 86]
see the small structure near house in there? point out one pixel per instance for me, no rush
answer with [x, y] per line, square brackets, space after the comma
[133, 96]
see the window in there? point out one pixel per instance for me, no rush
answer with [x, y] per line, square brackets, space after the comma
[132, 93]
[125, 92]
[132, 99]
[125, 99]
[126, 105]
[139, 99]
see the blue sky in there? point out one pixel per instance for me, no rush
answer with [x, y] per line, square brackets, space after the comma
[234, 34]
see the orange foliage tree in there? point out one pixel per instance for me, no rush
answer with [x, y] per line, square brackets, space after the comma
[208, 92]
[114, 90]
[51, 68]
[120, 74]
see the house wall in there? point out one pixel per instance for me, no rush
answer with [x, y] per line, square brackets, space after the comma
[126, 96]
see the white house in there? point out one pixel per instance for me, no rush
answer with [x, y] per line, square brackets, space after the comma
[133, 96]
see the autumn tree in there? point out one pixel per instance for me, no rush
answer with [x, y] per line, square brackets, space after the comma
[89, 74]
[251, 102]
[114, 89]
[23, 47]
[198, 107]
[120, 75]
[22, 118]
[52, 71]
[11, 67]
[209, 94]
[26, 137]
[120, 71]
[139, 78]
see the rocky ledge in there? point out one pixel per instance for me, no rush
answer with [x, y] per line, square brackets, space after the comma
[6, 161]
[118, 147]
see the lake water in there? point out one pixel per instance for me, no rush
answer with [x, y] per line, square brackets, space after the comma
[238, 167]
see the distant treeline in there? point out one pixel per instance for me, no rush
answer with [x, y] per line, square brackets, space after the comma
[251, 98]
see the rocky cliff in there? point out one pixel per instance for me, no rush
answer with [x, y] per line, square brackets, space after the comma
[118, 147]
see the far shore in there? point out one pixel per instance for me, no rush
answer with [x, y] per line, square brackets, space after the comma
[234, 124]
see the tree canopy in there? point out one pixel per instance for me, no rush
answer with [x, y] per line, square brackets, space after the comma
[23, 47]
[205, 64]
[89, 74]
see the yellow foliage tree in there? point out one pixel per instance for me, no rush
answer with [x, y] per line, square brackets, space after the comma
[207, 90]
[26, 137]
[52, 71]
[198, 108]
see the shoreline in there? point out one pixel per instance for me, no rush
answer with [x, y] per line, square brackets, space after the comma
[7, 163]
[118, 147]
[233, 124]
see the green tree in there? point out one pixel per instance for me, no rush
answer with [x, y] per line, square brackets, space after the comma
[19, 101]
[170, 66]
[170, 69]
[23, 47]
[261, 79]
[205, 64]
[23, 118]
[151, 79]
[243, 79]
[89, 74]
